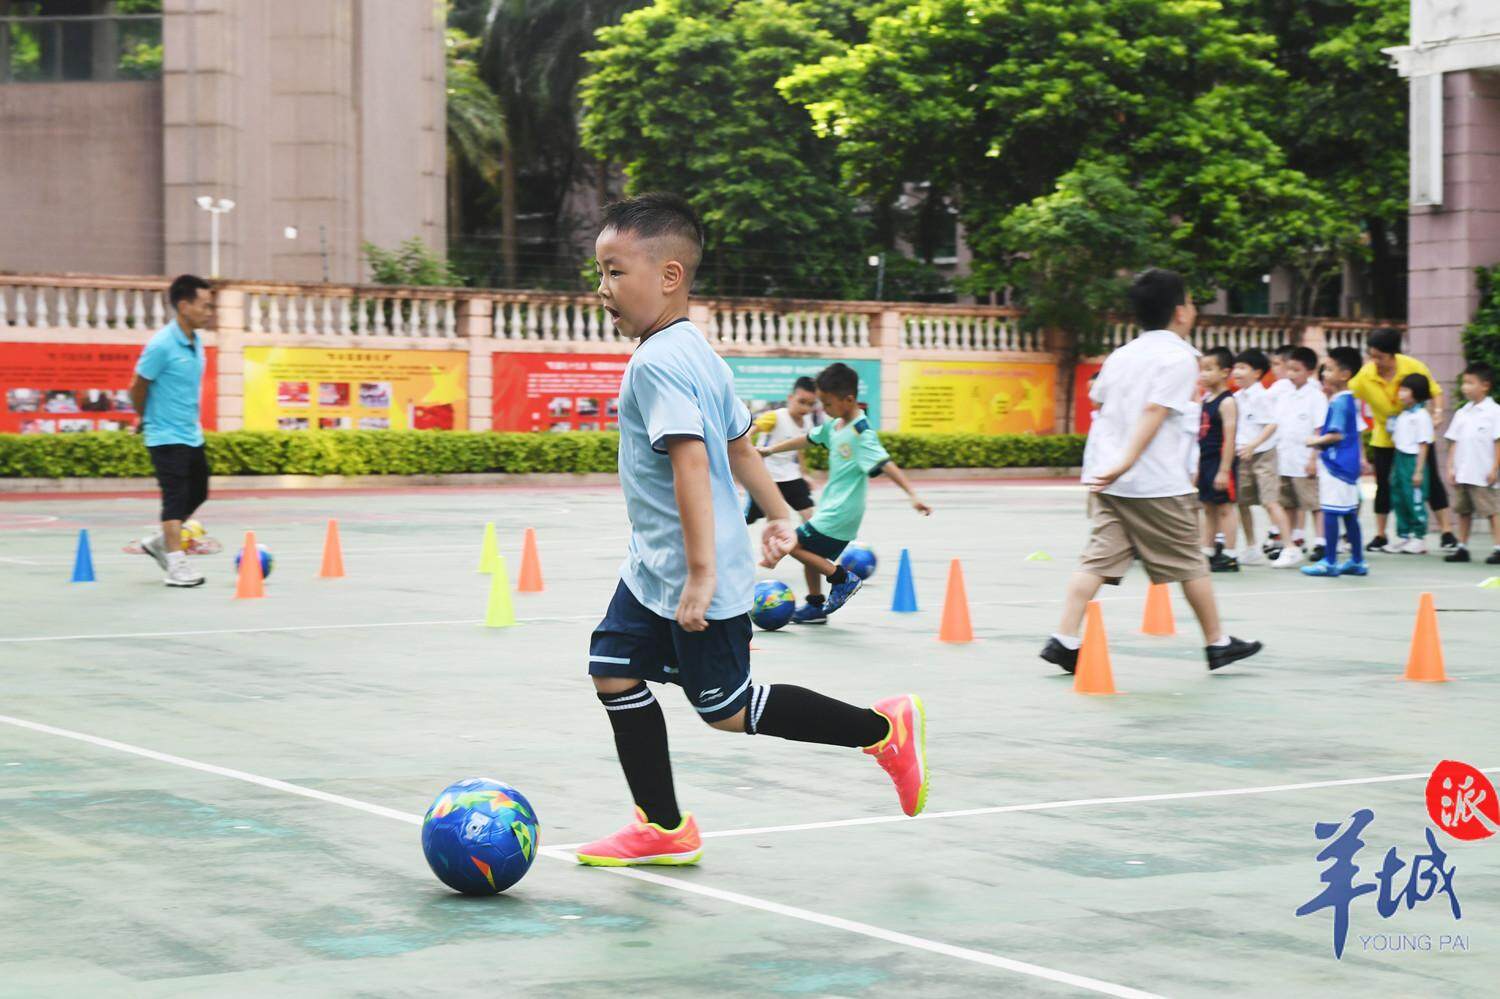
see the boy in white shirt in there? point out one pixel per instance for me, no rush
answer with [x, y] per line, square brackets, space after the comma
[1142, 502]
[1474, 460]
[1300, 409]
[777, 425]
[1411, 432]
[1255, 439]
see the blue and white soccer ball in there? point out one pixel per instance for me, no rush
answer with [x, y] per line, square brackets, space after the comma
[480, 836]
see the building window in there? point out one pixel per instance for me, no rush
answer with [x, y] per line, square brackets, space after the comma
[54, 41]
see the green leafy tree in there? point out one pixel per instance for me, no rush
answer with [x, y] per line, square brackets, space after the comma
[683, 95]
[478, 144]
[1482, 336]
[411, 263]
[1149, 102]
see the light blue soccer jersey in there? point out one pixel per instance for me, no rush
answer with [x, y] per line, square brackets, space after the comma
[675, 385]
[173, 365]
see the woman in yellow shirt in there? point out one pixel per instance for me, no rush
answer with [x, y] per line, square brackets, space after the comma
[1376, 385]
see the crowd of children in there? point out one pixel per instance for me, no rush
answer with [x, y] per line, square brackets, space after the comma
[1284, 433]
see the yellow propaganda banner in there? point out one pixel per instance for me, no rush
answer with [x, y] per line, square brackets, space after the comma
[984, 397]
[311, 388]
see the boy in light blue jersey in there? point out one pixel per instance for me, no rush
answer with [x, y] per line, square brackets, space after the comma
[855, 455]
[679, 613]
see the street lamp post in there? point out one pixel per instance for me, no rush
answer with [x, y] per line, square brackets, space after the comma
[215, 207]
[877, 260]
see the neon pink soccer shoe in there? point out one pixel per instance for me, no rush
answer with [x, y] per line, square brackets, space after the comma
[644, 842]
[903, 753]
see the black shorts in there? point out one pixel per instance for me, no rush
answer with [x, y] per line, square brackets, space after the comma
[182, 473]
[818, 543]
[1208, 467]
[1381, 459]
[797, 493]
[711, 666]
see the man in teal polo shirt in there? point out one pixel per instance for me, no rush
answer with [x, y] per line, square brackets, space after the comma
[166, 391]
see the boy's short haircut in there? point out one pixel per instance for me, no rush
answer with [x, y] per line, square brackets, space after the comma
[1155, 295]
[1387, 341]
[660, 216]
[1481, 371]
[1222, 356]
[804, 384]
[1284, 351]
[839, 380]
[1305, 356]
[1255, 358]
[185, 288]
[1347, 358]
[1418, 386]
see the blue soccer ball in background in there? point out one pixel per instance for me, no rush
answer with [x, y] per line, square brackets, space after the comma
[480, 836]
[859, 560]
[773, 605]
[266, 561]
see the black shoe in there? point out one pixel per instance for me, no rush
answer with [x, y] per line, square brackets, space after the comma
[1237, 649]
[1060, 655]
[1450, 541]
[1494, 558]
[1223, 563]
[1273, 553]
[1460, 554]
[1317, 553]
[1377, 543]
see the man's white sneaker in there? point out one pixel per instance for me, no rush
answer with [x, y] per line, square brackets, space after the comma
[1290, 556]
[156, 547]
[1251, 555]
[183, 574]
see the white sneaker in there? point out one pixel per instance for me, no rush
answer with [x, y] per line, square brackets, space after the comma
[1252, 556]
[183, 574]
[1290, 556]
[156, 547]
[1414, 546]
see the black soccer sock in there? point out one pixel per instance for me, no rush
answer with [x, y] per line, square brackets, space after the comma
[802, 715]
[641, 742]
[839, 575]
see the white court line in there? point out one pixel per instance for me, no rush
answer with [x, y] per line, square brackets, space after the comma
[270, 630]
[735, 898]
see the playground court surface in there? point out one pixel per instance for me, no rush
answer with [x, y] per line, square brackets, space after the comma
[200, 795]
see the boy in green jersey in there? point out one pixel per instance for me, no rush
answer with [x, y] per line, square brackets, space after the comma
[855, 455]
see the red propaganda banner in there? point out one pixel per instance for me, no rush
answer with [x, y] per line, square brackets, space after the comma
[557, 392]
[1083, 406]
[60, 388]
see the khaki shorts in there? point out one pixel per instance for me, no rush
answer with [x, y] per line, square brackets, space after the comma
[1161, 531]
[1259, 481]
[1482, 501]
[1299, 492]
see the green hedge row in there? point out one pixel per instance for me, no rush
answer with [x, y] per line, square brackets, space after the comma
[383, 452]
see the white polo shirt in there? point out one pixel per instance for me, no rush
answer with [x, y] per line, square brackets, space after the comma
[1256, 412]
[1161, 368]
[1299, 414]
[1474, 430]
[1411, 428]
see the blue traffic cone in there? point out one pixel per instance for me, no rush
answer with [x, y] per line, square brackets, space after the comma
[83, 561]
[904, 601]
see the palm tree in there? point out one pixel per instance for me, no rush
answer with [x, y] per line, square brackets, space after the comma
[479, 138]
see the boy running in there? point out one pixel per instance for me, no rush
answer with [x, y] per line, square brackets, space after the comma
[855, 455]
[1338, 466]
[680, 610]
[1474, 460]
[1136, 466]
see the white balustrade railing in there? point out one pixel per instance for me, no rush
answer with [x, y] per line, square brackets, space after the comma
[967, 331]
[1218, 331]
[1346, 336]
[738, 324]
[367, 312]
[81, 307]
[551, 317]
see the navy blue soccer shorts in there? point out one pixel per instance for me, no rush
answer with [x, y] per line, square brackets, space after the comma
[711, 666]
[815, 541]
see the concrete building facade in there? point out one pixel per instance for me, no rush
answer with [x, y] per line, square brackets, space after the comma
[318, 118]
[1453, 65]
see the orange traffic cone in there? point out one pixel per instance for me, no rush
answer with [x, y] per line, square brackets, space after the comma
[333, 554]
[251, 583]
[1093, 675]
[956, 626]
[1425, 663]
[1158, 617]
[531, 566]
